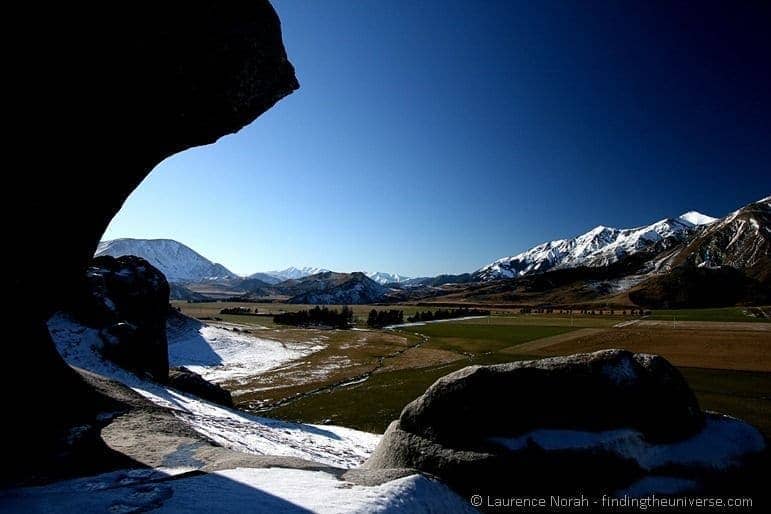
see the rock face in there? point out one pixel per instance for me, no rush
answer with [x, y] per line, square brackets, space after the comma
[598, 423]
[128, 299]
[190, 382]
[98, 106]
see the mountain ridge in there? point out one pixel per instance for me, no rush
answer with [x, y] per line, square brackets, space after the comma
[599, 246]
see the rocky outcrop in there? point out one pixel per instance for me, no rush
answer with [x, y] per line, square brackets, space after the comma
[128, 300]
[190, 382]
[598, 423]
[116, 96]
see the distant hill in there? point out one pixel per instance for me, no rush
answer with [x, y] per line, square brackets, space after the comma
[179, 263]
[334, 288]
[383, 278]
[291, 273]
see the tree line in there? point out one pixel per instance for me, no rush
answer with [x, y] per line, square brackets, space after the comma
[317, 317]
[380, 319]
[239, 310]
[447, 314]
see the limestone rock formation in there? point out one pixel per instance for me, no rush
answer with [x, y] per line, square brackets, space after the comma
[128, 299]
[102, 94]
[599, 423]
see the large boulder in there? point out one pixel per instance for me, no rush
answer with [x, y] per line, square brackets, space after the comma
[599, 423]
[128, 300]
[191, 382]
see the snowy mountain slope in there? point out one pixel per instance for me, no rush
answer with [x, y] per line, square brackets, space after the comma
[292, 273]
[176, 261]
[741, 240]
[600, 246]
[383, 278]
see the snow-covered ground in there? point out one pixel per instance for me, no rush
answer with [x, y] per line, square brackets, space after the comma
[273, 490]
[221, 355]
[335, 446]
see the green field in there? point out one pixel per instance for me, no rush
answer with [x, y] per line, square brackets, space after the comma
[371, 405]
[720, 314]
[745, 395]
[482, 337]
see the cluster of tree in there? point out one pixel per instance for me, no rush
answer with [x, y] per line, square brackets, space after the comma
[238, 310]
[447, 314]
[317, 317]
[380, 319]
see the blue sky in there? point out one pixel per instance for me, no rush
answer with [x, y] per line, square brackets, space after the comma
[434, 137]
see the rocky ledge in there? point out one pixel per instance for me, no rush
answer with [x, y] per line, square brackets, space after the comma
[609, 422]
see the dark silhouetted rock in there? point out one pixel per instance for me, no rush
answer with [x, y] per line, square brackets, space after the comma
[128, 299]
[102, 94]
[597, 391]
[190, 382]
[599, 423]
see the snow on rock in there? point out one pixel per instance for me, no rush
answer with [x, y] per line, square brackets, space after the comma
[335, 446]
[239, 490]
[220, 355]
[719, 445]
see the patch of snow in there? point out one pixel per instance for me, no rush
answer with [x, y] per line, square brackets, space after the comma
[239, 490]
[697, 218]
[331, 445]
[719, 445]
[220, 355]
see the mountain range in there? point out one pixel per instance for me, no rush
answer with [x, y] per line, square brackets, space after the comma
[648, 265]
[600, 246]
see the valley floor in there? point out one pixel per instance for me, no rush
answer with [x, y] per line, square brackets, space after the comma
[362, 378]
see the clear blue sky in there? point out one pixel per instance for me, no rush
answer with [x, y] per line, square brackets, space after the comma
[434, 137]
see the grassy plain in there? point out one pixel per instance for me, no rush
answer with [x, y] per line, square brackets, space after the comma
[363, 378]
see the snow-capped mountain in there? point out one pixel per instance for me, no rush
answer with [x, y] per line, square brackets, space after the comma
[381, 277]
[295, 273]
[598, 247]
[741, 240]
[176, 261]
